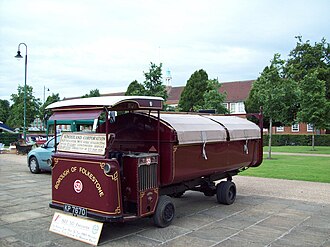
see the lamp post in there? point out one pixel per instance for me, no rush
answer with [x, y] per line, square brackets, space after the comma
[45, 92]
[44, 120]
[19, 56]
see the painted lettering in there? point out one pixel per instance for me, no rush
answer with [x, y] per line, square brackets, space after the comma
[61, 177]
[94, 180]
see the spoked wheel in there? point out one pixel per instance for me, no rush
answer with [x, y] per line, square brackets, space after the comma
[226, 192]
[164, 213]
[34, 165]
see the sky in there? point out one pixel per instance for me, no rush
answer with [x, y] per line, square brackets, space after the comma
[74, 46]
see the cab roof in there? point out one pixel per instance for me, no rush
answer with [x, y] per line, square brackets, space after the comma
[91, 108]
[110, 102]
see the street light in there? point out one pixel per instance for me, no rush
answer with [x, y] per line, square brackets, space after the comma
[19, 56]
[44, 120]
[45, 92]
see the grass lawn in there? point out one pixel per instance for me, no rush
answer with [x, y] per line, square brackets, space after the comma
[300, 149]
[316, 169]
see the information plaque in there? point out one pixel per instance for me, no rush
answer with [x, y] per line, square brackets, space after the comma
[83, 143]
[84, 230]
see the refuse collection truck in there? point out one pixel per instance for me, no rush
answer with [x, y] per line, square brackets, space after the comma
[132, 162]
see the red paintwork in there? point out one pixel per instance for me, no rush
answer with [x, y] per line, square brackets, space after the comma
[106, 201]
[138, 133]
[146, 200]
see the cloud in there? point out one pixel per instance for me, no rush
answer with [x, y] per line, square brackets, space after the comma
[75, 46]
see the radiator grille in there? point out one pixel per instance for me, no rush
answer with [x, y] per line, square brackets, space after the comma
[147, 176]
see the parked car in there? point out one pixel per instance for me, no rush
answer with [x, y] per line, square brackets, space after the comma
[39, 159]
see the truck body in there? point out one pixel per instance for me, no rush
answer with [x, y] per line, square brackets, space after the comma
[132, 164]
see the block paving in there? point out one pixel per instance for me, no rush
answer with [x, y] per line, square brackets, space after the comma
[255, 219]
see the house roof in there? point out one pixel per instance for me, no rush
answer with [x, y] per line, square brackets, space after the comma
[174, 94]
[236, 91]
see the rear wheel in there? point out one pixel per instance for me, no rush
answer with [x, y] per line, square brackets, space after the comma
[34, 165]
[226, 192]
[165, 211]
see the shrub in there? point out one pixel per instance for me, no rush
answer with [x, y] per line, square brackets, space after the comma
[297, 140]
[8, 138]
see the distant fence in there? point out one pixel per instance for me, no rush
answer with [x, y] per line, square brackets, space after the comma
[8, 138]
[297, 140]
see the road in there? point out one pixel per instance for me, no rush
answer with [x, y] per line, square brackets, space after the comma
[267, 212]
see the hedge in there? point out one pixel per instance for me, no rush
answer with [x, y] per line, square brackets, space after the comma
[297, 140]
[8, 138]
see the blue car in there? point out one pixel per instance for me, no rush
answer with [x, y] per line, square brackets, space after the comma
[39, 159]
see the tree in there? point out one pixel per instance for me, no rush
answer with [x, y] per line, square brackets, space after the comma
[16, 115]
[135, 88]
[45, 113]
[153, 82]
[193, 93]
[276, 94]
[213, 99]
[4, 110]
[152, 85]
[306, 58]
[92, 93]
[305, 62]
[314, 106]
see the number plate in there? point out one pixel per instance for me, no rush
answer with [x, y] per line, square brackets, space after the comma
[75, 210]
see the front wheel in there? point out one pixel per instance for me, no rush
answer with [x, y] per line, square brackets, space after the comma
[164, 213]
[226, 192]
[34, 165]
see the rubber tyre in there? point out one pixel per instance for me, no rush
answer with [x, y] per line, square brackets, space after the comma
[226, 192]
[164, 213]
[34, 165]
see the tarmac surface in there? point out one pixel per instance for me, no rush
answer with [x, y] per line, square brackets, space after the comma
[267, 212]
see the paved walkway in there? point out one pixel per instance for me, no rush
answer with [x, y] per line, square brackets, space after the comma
[267, 212]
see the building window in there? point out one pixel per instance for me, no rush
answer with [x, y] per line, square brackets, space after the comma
[295, 128]
[241, 108]
[280, 129]
[309, 127]
[225, 105]
[237, 107]
[232, 107]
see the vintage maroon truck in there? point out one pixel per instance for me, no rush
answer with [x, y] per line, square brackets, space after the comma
[131, 164]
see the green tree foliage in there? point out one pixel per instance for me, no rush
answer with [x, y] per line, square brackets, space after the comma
[309, 66]
[276, 94]
[213, 99]
[135, 88]
[314, 106]
[45, 113]
[153, 82]
[193, 93]
[305, 58]
[4, 110]
[16, 116]
[152, 86]
[92, 93]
